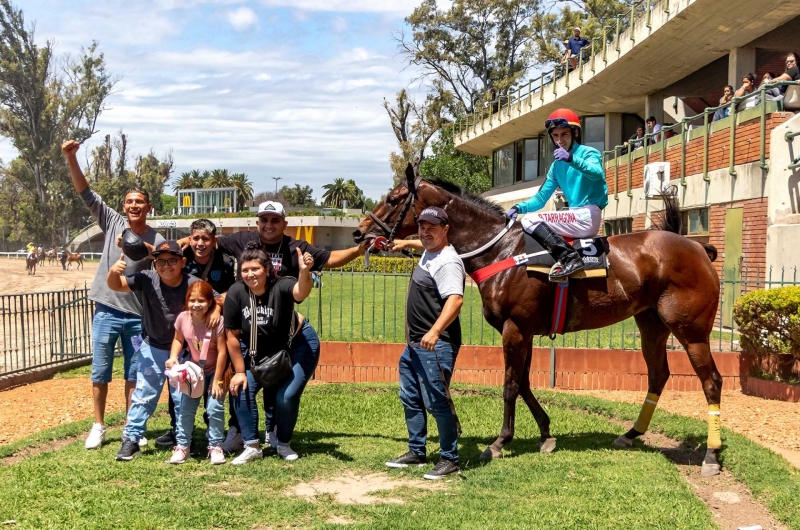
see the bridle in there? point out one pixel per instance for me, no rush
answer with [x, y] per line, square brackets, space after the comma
[409, 203]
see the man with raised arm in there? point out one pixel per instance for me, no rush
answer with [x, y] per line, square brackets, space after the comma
[118, 316]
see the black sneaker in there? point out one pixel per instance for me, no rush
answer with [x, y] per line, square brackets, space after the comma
[442, 469]
[167, 440]
[193, 449]
[129, 450]
[409, 459]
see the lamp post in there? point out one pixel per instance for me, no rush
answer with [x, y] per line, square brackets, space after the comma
[276, 179]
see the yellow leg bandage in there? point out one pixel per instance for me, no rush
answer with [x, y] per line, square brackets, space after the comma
[646, 414]
[714, 440]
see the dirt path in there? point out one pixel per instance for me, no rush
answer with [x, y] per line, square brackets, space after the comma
[773, 424]
[14, 279]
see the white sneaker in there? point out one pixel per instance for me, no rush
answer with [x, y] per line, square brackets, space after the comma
[248, 455]
[216, 455]
[272, 439]
[142, 442]
[233, 442]
[96, 436]
[179, 455]
[285, 451]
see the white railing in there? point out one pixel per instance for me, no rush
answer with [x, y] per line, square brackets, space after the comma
[21, 255]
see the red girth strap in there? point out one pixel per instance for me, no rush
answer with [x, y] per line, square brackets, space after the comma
[483, 274]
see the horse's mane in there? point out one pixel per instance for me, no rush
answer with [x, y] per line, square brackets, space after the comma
[458, 191]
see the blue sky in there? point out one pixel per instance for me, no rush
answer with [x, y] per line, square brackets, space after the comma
[271, 88]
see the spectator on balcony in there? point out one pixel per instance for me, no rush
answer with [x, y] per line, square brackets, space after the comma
[727, 96]
[491, 100]
[653, 127]
[770, 94]
[636, 141]
[748, 87]
[574, 47]
[792, 72]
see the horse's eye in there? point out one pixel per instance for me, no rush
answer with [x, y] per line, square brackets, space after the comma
[390, 200]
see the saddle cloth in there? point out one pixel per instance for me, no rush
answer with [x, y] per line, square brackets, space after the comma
[593, 251]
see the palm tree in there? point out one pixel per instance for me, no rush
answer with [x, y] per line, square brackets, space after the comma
[197, 178]
[336, 192]
[185, 182]
[244, 190]
[218, 178]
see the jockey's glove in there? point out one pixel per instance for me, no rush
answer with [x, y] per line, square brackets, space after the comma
[562, 154]
[512, 213]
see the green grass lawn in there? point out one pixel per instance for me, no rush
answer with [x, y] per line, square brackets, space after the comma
[354, 429]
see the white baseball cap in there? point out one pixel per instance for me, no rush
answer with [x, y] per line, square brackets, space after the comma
[272, 207]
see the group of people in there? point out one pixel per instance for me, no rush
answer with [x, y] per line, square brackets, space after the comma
[184, 312]
[748, 86]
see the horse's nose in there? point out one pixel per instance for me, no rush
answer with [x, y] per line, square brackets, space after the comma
[358, 236]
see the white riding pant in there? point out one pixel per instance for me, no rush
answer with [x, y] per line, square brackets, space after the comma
[575, 222]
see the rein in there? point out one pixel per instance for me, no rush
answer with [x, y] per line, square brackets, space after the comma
[490, 244]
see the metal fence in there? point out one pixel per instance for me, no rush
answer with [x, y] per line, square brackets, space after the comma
[40, 329]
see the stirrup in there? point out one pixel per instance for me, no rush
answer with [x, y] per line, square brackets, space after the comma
[554, 271]
[560, 273]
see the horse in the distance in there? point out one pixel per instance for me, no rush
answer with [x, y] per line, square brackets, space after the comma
[52, 255]
[74, 258]
[30, 263]
[40, 257]
[665, 281]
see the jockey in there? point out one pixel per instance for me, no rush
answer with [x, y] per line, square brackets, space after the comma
[578, 171]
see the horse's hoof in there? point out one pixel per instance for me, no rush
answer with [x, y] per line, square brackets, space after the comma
[490, 453]
[548, 445]
[623, 441]
[709, 470]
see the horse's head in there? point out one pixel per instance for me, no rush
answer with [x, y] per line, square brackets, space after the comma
[396, 214]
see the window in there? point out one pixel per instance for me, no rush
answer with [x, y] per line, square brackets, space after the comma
[615, 227]
[695, 222]
[594, 132]
[503, 165]
[531, 159]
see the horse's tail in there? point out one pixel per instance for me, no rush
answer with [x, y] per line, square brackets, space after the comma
[673, 220]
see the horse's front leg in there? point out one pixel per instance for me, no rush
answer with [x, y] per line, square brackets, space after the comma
[514, 352]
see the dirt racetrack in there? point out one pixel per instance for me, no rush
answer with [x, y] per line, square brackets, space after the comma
[14, 279]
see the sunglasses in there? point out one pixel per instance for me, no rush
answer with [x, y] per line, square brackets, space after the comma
[790, 61]
[171, 262]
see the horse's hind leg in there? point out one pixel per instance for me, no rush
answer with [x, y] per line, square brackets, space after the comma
[654, 347]
[514, 351]
[547, 443]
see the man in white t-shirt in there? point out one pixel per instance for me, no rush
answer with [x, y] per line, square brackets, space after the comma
[434, 337]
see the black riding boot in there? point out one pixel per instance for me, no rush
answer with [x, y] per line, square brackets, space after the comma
[567, 258]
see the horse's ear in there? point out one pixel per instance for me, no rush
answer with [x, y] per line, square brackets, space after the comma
[411, 179]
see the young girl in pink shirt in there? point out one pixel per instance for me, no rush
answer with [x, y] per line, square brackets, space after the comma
[207, 349]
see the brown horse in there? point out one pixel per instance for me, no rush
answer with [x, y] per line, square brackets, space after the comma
[74, 258]
[30, 263]
[52, 255]
[662, 279]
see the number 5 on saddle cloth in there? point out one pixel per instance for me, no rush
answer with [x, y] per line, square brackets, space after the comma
[593, 251]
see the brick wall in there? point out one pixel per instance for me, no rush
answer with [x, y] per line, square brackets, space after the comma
[754, 235]
[748, 136]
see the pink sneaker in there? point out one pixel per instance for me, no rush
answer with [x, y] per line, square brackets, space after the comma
[216, 455]
[179, 455]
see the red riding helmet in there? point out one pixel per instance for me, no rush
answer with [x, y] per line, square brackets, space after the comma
[563, 118]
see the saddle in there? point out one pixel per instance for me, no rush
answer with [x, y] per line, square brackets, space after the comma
[593, 251]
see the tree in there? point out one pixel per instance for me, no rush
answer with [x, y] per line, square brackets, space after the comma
[270, 196]
[218, 178]
[339, 191]
[43, 101]
[169, 204]
[471, 172]
[413, 125]
[185, 182]
[244, 190]
[472, 46]
[298, 195]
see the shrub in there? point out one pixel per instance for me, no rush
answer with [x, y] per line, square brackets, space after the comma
[381, 264]
[769, 321]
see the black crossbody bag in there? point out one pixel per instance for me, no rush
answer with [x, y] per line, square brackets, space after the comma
[272, 370]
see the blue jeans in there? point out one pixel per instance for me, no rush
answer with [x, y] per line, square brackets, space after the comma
[421, 389]
[108, 325]
[186, 408]
[149, 384]
[281, 403]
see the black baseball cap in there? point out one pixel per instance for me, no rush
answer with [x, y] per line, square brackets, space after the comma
[171, 247]
[434, 215]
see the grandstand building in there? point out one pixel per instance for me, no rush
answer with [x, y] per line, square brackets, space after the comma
[737, 177]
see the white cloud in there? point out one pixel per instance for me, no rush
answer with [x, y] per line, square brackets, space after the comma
[263, 77]
[242, 18]
[339, 24]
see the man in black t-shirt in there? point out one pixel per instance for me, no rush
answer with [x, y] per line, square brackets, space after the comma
[434, 300]
[205, 262]
[792, 72]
